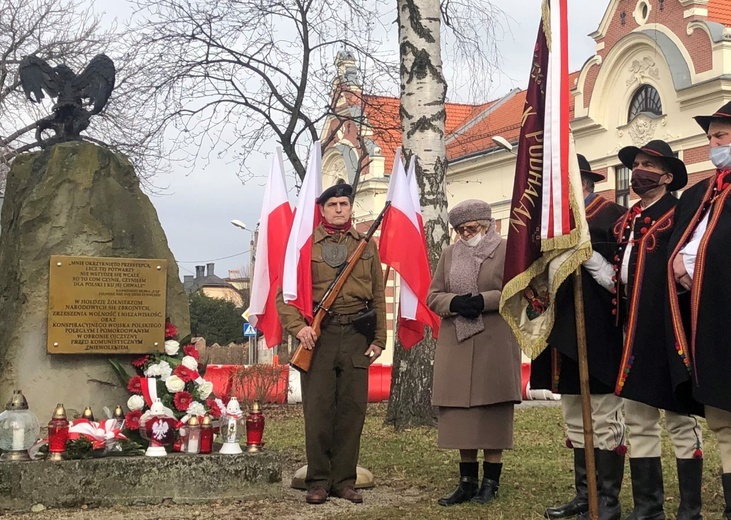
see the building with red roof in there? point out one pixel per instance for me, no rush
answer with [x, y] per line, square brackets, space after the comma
[657, 64]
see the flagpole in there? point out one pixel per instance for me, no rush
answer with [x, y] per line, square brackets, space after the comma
[585, 396]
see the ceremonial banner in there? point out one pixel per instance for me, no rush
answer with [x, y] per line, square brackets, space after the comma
[548, 237]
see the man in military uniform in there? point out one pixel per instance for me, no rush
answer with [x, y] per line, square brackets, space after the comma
[335, 389]
[699, 286]
[644, 377]
[556, 368]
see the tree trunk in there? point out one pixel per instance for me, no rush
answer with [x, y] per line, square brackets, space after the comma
[423, 91]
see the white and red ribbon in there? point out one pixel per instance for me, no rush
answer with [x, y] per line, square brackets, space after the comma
[99, 433]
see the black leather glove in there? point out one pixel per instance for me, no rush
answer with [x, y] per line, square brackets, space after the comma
[463, 306]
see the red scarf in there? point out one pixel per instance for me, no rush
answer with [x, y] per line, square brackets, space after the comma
[333, 229]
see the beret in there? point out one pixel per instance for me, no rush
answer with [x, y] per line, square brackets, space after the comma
[338, 190]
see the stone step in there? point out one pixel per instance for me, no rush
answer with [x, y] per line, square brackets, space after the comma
[139, 480]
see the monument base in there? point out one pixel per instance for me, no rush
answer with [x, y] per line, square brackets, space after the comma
[108, 481]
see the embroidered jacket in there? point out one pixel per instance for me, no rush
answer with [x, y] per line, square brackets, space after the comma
[556, 368]
[644, 373]
[699, 328]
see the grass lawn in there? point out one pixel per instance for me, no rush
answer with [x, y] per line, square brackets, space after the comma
[538, 473]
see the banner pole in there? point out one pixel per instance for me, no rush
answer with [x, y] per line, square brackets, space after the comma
[585, 396]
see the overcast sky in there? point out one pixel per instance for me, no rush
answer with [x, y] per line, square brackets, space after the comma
[196, 208]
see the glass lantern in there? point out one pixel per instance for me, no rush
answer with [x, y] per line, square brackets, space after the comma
[19, 429]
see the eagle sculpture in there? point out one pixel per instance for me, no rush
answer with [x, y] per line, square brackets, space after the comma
[77, 97]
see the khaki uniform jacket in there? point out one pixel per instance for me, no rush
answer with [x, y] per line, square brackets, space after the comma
[364, 287]
[485, 368]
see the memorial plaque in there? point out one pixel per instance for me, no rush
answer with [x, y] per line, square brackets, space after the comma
[106, 305]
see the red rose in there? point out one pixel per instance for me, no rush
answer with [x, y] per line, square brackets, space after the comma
[140, 361]
[132, 420]
[135, 385]
[182, 400]
[170, 331]
[213, 408]
[190, 350]
[186, 374]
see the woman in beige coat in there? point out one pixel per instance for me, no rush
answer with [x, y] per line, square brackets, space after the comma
[477, 362]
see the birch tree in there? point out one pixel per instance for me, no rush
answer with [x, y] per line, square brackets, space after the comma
[423, 94]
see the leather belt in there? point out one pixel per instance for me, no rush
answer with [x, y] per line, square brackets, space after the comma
[343, 319]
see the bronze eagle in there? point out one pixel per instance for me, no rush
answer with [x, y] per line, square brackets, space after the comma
[77, 97]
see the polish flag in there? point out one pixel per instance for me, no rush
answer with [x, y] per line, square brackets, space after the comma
[403, 247]
[297, 278]
[274, 225]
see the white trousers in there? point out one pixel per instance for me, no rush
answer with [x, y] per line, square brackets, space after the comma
[643, 422]
[607, 420]
[719, 422]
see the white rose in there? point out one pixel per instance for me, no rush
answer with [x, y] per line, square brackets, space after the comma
[171, 347]
[174, 384]
[165, 370]
[195, 408]
[153, 370]
[136, 402]
[205, 388]
[190, 362]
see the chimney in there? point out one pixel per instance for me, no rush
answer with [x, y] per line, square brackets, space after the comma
[188, 278]
[200, 271]
[209, 269]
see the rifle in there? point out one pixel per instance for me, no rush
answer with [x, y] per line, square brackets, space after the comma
[302, 358]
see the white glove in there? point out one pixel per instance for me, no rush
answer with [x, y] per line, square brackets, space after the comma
[601, 270]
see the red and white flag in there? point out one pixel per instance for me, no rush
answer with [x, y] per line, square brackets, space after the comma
[275, 223]
[297, 278]
[548, 236]
[403, 247]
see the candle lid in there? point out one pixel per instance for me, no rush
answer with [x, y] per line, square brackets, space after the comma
[17, 401]
[118, 413]
[60, 412]
[88, 414]
[256, 407]
[206, 423]
[193, 421]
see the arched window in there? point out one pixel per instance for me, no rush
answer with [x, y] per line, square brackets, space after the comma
[646, 99]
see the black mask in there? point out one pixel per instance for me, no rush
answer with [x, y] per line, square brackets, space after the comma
[644, 180]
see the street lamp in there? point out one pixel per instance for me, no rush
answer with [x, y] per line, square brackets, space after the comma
[503, 143]
[252, 258]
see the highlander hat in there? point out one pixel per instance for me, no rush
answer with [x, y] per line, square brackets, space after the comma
[586, 171]
[723, 114]
[658, 148]
[468, 211]
[341, 189]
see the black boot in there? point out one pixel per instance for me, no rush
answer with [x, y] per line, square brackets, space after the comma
[690, 475]
[648, 492]
[467, 485]
[580, 503]
[726, 481]
[610, 473]
[490, 482]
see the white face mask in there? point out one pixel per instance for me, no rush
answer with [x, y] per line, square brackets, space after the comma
[473, 240]
[721, 156]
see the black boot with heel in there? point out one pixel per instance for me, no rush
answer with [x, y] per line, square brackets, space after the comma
[467, 487]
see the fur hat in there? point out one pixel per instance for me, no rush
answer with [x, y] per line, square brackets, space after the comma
[469, 210]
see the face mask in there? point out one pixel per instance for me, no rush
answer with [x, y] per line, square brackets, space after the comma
[644, 180]
[473, 240]
[721, 156]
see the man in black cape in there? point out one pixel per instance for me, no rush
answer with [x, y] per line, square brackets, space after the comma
[699, 285]
[556, 368]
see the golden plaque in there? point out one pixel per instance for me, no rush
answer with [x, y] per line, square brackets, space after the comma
[106, 305]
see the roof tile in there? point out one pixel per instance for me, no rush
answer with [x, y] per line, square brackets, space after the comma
[720, 11]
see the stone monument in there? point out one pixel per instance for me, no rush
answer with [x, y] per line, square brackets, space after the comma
[76, 199]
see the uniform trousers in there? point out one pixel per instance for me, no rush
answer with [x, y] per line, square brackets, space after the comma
[606, 417]
[719, 422]
[334, 401]
[643, 422]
